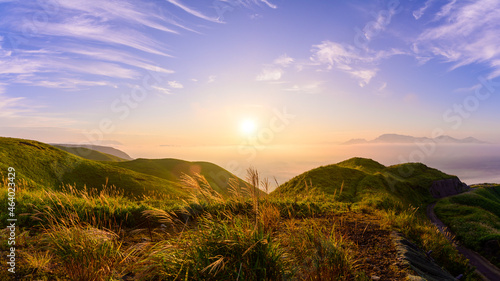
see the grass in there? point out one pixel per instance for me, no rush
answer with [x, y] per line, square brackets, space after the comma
[418, 229]
[474, 218]
[322, 253]
[46, 166]
[43, 165]
[361, 180]
[320, 226]
[173, 169]
[86, 253]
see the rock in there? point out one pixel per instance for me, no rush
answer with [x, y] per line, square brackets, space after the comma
[375, 277]
[447, 187]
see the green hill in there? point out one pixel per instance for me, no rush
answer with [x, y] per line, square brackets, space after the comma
[172, 170]
[89, 153]
[50, 166]
[364, 180]
[45, 165]
[474, 217]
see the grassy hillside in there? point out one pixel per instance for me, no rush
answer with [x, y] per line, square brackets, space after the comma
[76, 234]
[44, 165]
[90, 153]
[474, 217]
[173, 169]
[360, 180]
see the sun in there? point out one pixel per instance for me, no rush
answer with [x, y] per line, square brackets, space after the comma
[248, 127]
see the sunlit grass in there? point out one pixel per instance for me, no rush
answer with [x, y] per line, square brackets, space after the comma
[246, 235]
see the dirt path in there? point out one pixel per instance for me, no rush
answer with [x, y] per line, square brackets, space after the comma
[483, 266]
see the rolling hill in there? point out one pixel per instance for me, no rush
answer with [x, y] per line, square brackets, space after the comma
[44, 165]
[364, 180]
[172, 170]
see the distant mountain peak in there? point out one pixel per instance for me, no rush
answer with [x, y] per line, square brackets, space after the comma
[402, 139]
[104, 149]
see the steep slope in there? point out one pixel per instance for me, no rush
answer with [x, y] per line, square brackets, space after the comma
[172, 170]
[360, 179]
[89, 154]
[45, 165]
[474, 217]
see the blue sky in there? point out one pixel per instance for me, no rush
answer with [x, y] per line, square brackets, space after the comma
[176, 73]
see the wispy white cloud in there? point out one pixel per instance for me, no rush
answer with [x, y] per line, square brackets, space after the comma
[307, 88]
[382, 87]
[211, 78]
[123, 10]
[284, 60]
[67, 83]
[365, 75]
[11, 107]
[95, 30]
[467, 33]
[360, 64]
[468, 89]
[380, 24]
[269, 4]
[112, 43]
[43, 65]
[175, 85]
[112, 55]
[192, 11]
[270, 74]
[446, 9]
[162, 90]
[274, 71]
[417, 14]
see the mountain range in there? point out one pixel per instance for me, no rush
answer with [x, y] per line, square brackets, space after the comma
[404, 139]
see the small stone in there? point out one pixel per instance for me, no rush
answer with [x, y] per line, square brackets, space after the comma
[375, 277]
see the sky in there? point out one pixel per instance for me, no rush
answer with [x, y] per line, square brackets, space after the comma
[247, 79]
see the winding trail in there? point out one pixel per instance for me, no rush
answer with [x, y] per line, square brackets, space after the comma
[488, 271]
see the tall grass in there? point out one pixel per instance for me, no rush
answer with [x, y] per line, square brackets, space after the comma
[413, 226]
[318, 253]
[86, 253]
[245, 235]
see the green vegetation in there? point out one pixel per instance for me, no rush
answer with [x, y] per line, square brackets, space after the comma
[173, 169]
[364, 182]
[331, 223]
[474, 218]
[47, 166]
